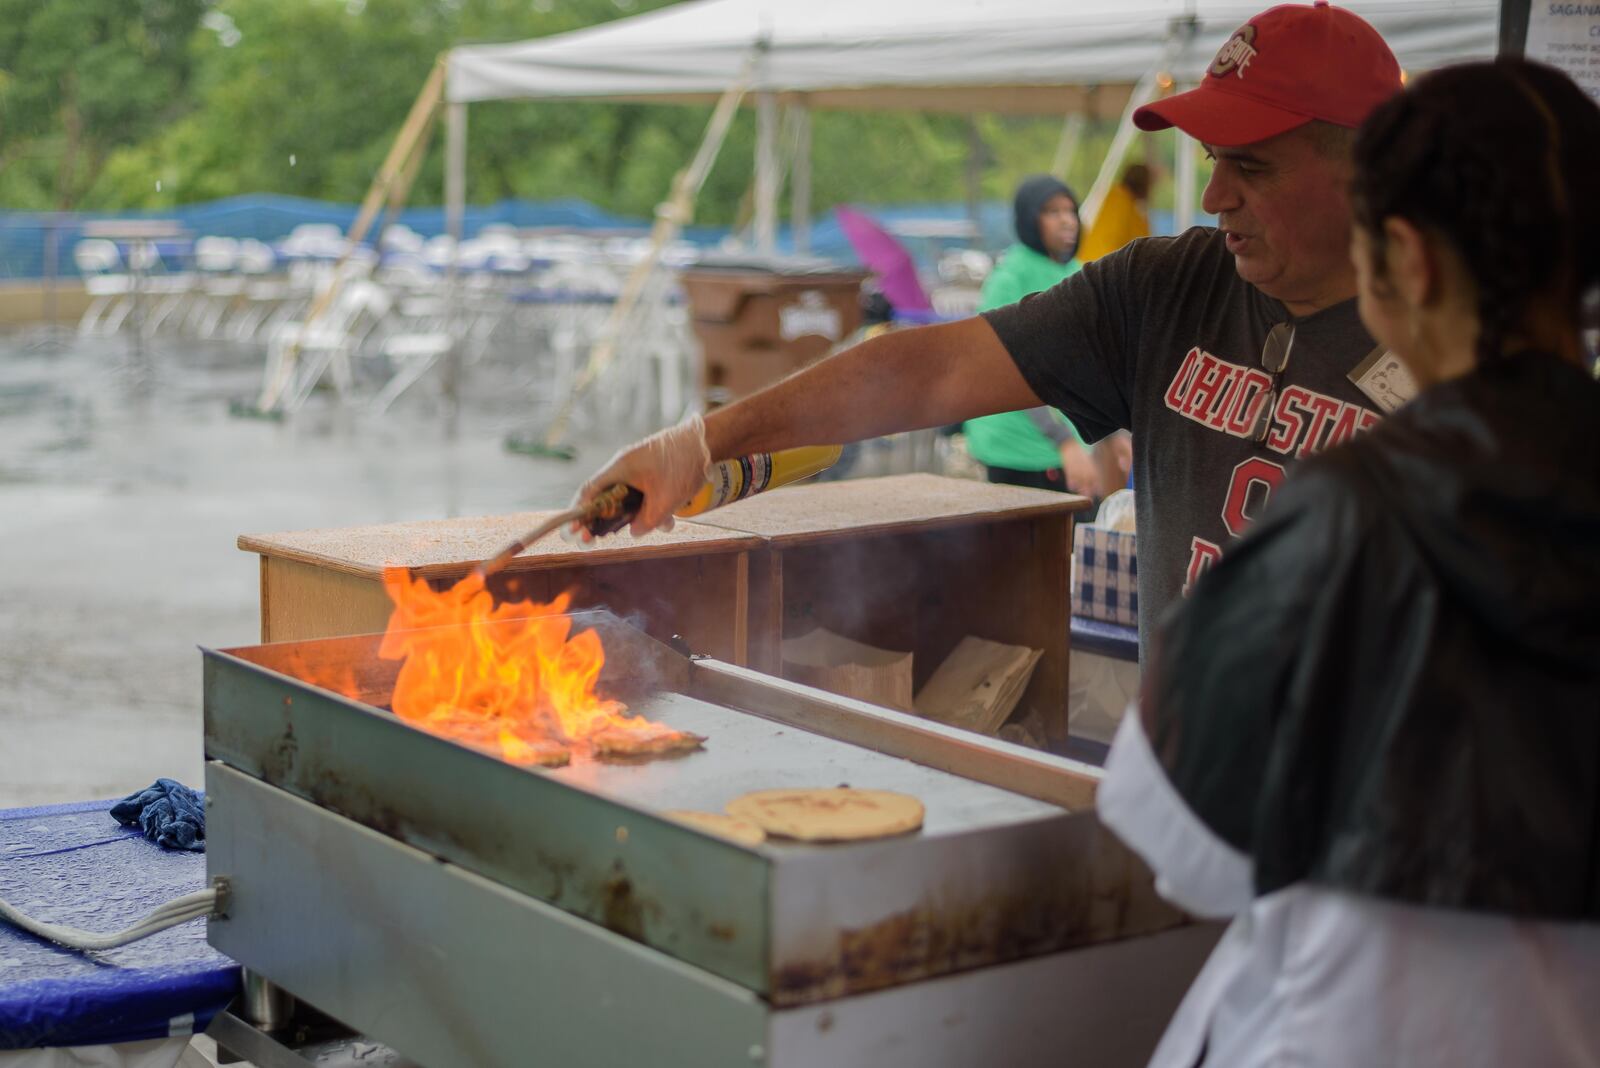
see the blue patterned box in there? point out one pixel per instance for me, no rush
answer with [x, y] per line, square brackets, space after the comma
[1105, 573]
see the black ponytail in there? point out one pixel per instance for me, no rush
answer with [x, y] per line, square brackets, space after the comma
[1501, 160]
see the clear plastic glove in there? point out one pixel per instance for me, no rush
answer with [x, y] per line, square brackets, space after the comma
[668, 467]
[1114, 458]
[1082, 475]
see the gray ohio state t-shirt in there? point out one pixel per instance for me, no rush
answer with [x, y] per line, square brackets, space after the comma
[1164, 338]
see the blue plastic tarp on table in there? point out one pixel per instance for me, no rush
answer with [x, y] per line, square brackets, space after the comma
[1106, 639]
[74, 864]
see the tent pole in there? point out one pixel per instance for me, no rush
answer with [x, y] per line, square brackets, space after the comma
[767, 179]
[800, 179]
[1185, 180]
[978, 158]
[419, 123]
[1142, 94]
[1067, 146]
[455, 169]
[455, 204]
[671, 216]
[400, 188]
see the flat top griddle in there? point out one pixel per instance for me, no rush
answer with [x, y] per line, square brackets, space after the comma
[744, 753]
[994, 874]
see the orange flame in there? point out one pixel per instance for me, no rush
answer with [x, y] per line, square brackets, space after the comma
[523, 690]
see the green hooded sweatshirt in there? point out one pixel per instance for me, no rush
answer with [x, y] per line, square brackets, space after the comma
[1011, 439]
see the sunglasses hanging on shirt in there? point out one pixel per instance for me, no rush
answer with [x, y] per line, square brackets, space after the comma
[1274, 358]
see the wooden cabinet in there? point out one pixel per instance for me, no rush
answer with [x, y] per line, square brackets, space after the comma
[915, 563]
[691, 582]
[911, 562]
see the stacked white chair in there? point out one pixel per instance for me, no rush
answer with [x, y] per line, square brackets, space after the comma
[215, 259]
[399, 238]
[170, 291]
[264, 289]
[301, 353]
[108, 285]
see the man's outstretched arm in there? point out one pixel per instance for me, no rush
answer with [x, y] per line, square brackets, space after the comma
[903, 380]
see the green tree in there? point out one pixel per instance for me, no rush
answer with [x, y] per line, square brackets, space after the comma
[80, 79]
[305, 97]
[120, 104]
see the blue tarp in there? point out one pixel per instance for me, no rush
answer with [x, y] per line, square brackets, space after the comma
[74, 864]
[26, 238]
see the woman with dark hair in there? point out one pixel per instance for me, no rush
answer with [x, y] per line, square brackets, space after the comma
[1371, 736]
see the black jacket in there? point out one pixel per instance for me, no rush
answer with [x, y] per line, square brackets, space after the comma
[1391, 685]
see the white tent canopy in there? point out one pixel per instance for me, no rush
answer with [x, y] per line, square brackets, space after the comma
[1062, 57]
[998, 56]
[912, 53]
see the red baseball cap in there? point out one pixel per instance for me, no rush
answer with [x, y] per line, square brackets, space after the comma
[1288, 65]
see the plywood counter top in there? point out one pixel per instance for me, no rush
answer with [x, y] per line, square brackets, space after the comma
[903, 503]
[449, 548]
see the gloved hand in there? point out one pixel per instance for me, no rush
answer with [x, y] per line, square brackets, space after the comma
[1079, 467]
[668, 467]
[1114, 458]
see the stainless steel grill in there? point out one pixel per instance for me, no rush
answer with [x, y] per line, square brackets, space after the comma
[468, 911]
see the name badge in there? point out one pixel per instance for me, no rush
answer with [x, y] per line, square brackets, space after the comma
[1384, 379]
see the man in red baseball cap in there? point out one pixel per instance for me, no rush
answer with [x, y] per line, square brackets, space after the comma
[1319, 70]
[1230, 352]
[1286, 67]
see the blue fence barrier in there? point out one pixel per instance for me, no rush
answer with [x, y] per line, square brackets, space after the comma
[40, 244]
[29, 240]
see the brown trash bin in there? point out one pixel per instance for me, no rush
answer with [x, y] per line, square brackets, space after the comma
[758, 320]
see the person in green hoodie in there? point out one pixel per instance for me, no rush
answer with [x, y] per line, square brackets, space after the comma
[1037, 447]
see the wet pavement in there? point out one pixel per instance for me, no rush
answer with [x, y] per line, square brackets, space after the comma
[124, 483]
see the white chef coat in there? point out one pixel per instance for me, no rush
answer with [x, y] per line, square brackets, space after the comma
[1312, 977]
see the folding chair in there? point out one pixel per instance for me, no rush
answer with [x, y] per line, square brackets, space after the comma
[324, 347]
[98, 261]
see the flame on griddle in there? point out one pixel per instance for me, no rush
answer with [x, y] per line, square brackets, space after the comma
[523, 689]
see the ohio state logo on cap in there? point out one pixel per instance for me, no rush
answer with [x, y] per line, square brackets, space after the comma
[1235, 55]
[1287, 66]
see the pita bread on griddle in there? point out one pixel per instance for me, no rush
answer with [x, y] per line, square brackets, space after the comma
[651, 740]
[838, 814]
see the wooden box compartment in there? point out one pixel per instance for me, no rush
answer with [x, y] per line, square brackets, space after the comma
[915, 563]
[692, 582]
[912, 562]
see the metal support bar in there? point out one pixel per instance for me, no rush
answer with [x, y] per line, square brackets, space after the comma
[1041, 776]
[455, 169]
[768, 180]
[266, 1006]
[241, 1039]
[312, 1041]
[455, 197]
[1067, 146]
[800, 179]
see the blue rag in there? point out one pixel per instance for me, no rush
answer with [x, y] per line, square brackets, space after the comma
[169, 813]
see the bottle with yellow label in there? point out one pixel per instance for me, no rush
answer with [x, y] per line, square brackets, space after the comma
[726, 482]
[734, 480]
